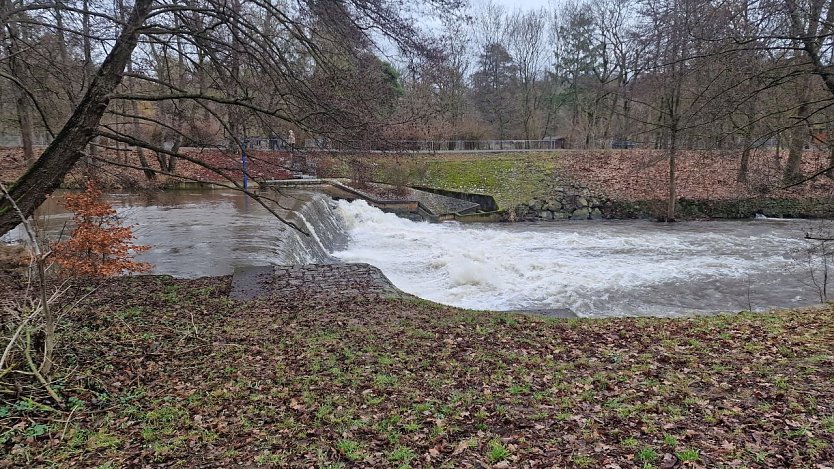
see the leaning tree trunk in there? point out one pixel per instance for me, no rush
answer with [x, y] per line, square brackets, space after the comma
[744, 167]
[44, 176]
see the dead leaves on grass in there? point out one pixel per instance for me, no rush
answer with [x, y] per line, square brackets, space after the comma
[391, 383]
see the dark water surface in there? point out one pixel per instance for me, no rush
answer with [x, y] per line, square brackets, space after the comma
[192, 233]
[595, 268]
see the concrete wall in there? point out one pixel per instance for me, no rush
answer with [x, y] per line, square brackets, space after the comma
[486, 202]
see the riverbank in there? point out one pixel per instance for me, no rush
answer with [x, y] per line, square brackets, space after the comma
[614, 183]
[162, 371]
[198, 169]
[621, 183]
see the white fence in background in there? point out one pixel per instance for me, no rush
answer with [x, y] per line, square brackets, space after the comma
[14, 140]
[320, 144]
[430, 146]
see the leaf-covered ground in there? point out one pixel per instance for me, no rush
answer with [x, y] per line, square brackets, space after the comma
[160, 371]
[260, 165]
[622, 175]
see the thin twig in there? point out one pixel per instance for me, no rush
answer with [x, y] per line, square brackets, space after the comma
[13, 340]
[66, 425]
[40, 258]
[37, 373]
[194, 325]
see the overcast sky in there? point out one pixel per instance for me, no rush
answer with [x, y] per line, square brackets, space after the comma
[511, 4]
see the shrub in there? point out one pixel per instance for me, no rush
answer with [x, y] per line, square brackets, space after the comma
[99, 246]
[397, 174]
[360, 172]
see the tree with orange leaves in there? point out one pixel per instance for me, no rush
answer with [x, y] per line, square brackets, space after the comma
[99, 245]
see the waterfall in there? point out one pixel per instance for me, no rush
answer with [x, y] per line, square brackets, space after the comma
[325, 232]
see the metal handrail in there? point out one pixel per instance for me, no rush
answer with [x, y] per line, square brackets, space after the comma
[433, 146]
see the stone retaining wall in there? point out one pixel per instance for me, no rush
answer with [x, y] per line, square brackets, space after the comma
[578, 203]
[726, 209]
[563, 203]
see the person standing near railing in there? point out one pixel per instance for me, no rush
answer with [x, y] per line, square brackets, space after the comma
[297, 163]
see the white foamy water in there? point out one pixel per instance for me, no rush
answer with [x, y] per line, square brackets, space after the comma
[594, 268]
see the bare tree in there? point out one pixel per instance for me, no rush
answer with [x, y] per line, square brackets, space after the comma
[247, 74]
[526, 46]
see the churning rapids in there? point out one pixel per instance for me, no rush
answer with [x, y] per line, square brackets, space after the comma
[592, 268]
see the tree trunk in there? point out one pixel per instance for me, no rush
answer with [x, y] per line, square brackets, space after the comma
[673, 150]
[92, 149]
[59, 29]
[172, 160]
[162, 158]
[799, 134]
[85, 31]
[744, 167]
[25, 121]
[777, 156]
[830, 172]
[233, 82]
[31, 189]
[21, 99]
[150, 174]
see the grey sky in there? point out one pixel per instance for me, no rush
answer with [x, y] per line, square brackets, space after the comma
[511, 4]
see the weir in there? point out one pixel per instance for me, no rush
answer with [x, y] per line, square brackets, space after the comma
[312, 271]
[420, 203]
[593, 268]
[323, 233]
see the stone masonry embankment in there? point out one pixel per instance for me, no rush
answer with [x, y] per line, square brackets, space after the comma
[313, 280]
[563, 203]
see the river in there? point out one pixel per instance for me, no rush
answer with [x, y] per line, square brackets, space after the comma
[592, 268]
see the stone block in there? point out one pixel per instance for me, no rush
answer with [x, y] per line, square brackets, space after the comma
[580, 214]
[554, 206]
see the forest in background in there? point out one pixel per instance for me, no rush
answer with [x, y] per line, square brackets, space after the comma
[370, 74]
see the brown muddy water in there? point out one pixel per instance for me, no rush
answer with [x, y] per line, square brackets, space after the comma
[194, 233]
[593, 268]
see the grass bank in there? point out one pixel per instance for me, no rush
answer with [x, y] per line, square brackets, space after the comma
[160, 371]
[632, 181]
[511, 178]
